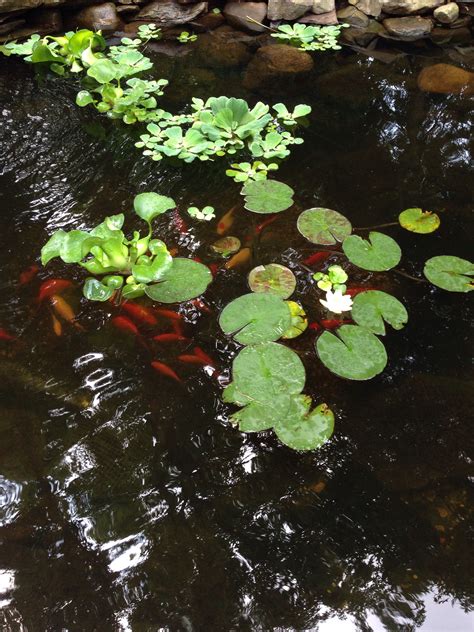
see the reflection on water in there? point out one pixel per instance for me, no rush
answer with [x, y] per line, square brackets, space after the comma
[127, 502]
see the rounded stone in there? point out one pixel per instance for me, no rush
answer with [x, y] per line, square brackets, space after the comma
[446, 79]
[276, 64]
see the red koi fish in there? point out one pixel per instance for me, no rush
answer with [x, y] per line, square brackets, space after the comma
[203, 355]
[125, 324]
[179, 222]
[64, 311]
[214, 268]
[177, 327]
[28, 275]
[353, 291]
[334, 324]
[268, 221]
[170, 338]
[140, 314]
[4, 335]
[317, 257]
[52, 286]
[314, 326]
[192, 359]
[225, 222]
[168, 314]
[164, 369]
[198, 304]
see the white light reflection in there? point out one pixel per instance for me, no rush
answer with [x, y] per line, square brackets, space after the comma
[126, 553]
[7, 584]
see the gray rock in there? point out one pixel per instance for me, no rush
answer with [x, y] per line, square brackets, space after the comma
[363, 36]
[442, 36]
[447, 13]
[98, 17]
[166, 13]
[8, 27]
[409, 7]
[352, 16]
[287, 9]
[446, 79]
[408, 29]
[6, 6]
[237, 14]
[323, 19]
[323, 6]
[369, 7]
[275, 66]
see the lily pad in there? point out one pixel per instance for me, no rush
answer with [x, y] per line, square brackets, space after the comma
[267, 196]
[185, 279]
[418, 221]
[304, 430]
[323, 226]
[370, 309]
[272, 279]
[255, 318]
[380, 252]
[299, 321]
[226, 246]
[150, 205]
[259, 416]
[450, 273]
[354, 353]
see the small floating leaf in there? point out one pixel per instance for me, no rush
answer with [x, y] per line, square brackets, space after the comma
[267, 196]
[380, 252]
[304, 430]
[94, 290]
[185, 279]
[299, 321]
[226, 246]
[323, 226]
[418, 221]
[450, 273]
[272, 279]
[354, 353]
[255, 318]
[370, 309]
[149, 205]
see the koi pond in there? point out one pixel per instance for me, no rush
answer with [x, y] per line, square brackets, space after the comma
[129, 500]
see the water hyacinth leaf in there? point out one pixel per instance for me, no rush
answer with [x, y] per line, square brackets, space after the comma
[267, 196]
[450, 273]
[147, 270]
[150, 205]
[226, 246]
[255, 318]
[304, 430]
[299, 321]
[354, 353]
[185, 279]
[75, 245]
[370, 309]
[263, 372]
[323, 226]
[52, 247]
[379, 253]
[272, 279]
[104, 71]
[94, 290]
[418, 221]
[258, 416]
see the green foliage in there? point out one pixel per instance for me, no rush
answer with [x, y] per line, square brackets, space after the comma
[308, 37]
[323, 226]
[267, 196]
[184, 37]
[299, 321]
[226, 246]
[450, 273]
[418, 221]
[255, 318]
[243, 171]
[370, 309]
[205, 214]
[380, 252]
[288, 118]
[272, 279]
[302, 429]
[184, 280]
[150, 205]
[333, 280]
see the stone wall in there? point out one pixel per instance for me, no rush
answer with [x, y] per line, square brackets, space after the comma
[441, 21]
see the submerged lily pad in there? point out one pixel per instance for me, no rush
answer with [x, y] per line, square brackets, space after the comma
[255, 318]
[450, 273]
[370, 309]
[272, 279]
[304, 430]
[323, 226]
[185, 279]
[299, 321]
[418, 221]
[267, 196]
[226, 246]
[354, 353]
[379, 253]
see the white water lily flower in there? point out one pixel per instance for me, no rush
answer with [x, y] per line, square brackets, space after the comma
[337, 302]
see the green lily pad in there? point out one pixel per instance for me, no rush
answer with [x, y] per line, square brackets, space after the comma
[226, 246]
[272, 279]
[380, 252]
[185, 279]
[304, 430]
[299, 321]
[370, 309]
[450, 273]
[259, 416]
[255, 318]
[354, 353]
[150, 205]
[418, 221]
[267, 196]
[323, 226]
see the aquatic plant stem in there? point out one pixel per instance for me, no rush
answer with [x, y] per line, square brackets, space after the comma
[409, 276]
[377, 226]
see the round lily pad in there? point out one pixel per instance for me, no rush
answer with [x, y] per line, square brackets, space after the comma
[186, 279]
[226, 246]
[257, 416]
[267, 196]
[272, 279]
[323, 226]
[380, 252]
[304, 430]
[418, 221]
[354, 353]
[299, 321]
[255, 318]
[450, 273]
[370, 309]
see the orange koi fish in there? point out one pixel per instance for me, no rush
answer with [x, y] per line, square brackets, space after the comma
[52, 286]
[198, 304]
[4, 335]
[177, 327]
[140, 314]
[353, 291]
[125, 324]
[314, 326]
[28, 275]
[317, 257]
[270, 220]
[192, 359]
[334, 324]
[164, 369]
[214, 268]
[225, 222]
[170, 338]
[57, 327]
[64, 310]
[203, 355]
[168, 313]
[239, 259]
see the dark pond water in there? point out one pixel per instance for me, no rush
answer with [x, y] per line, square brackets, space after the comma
[127, 501]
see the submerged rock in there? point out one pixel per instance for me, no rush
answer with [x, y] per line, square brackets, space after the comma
[354, 17]
[219, 52]
[408, 29]
[99, 17]
[447, 14]
[446, 79]
[409, 7]
[369, 7]
[238, 13]
[276, 63]
[165, 13]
